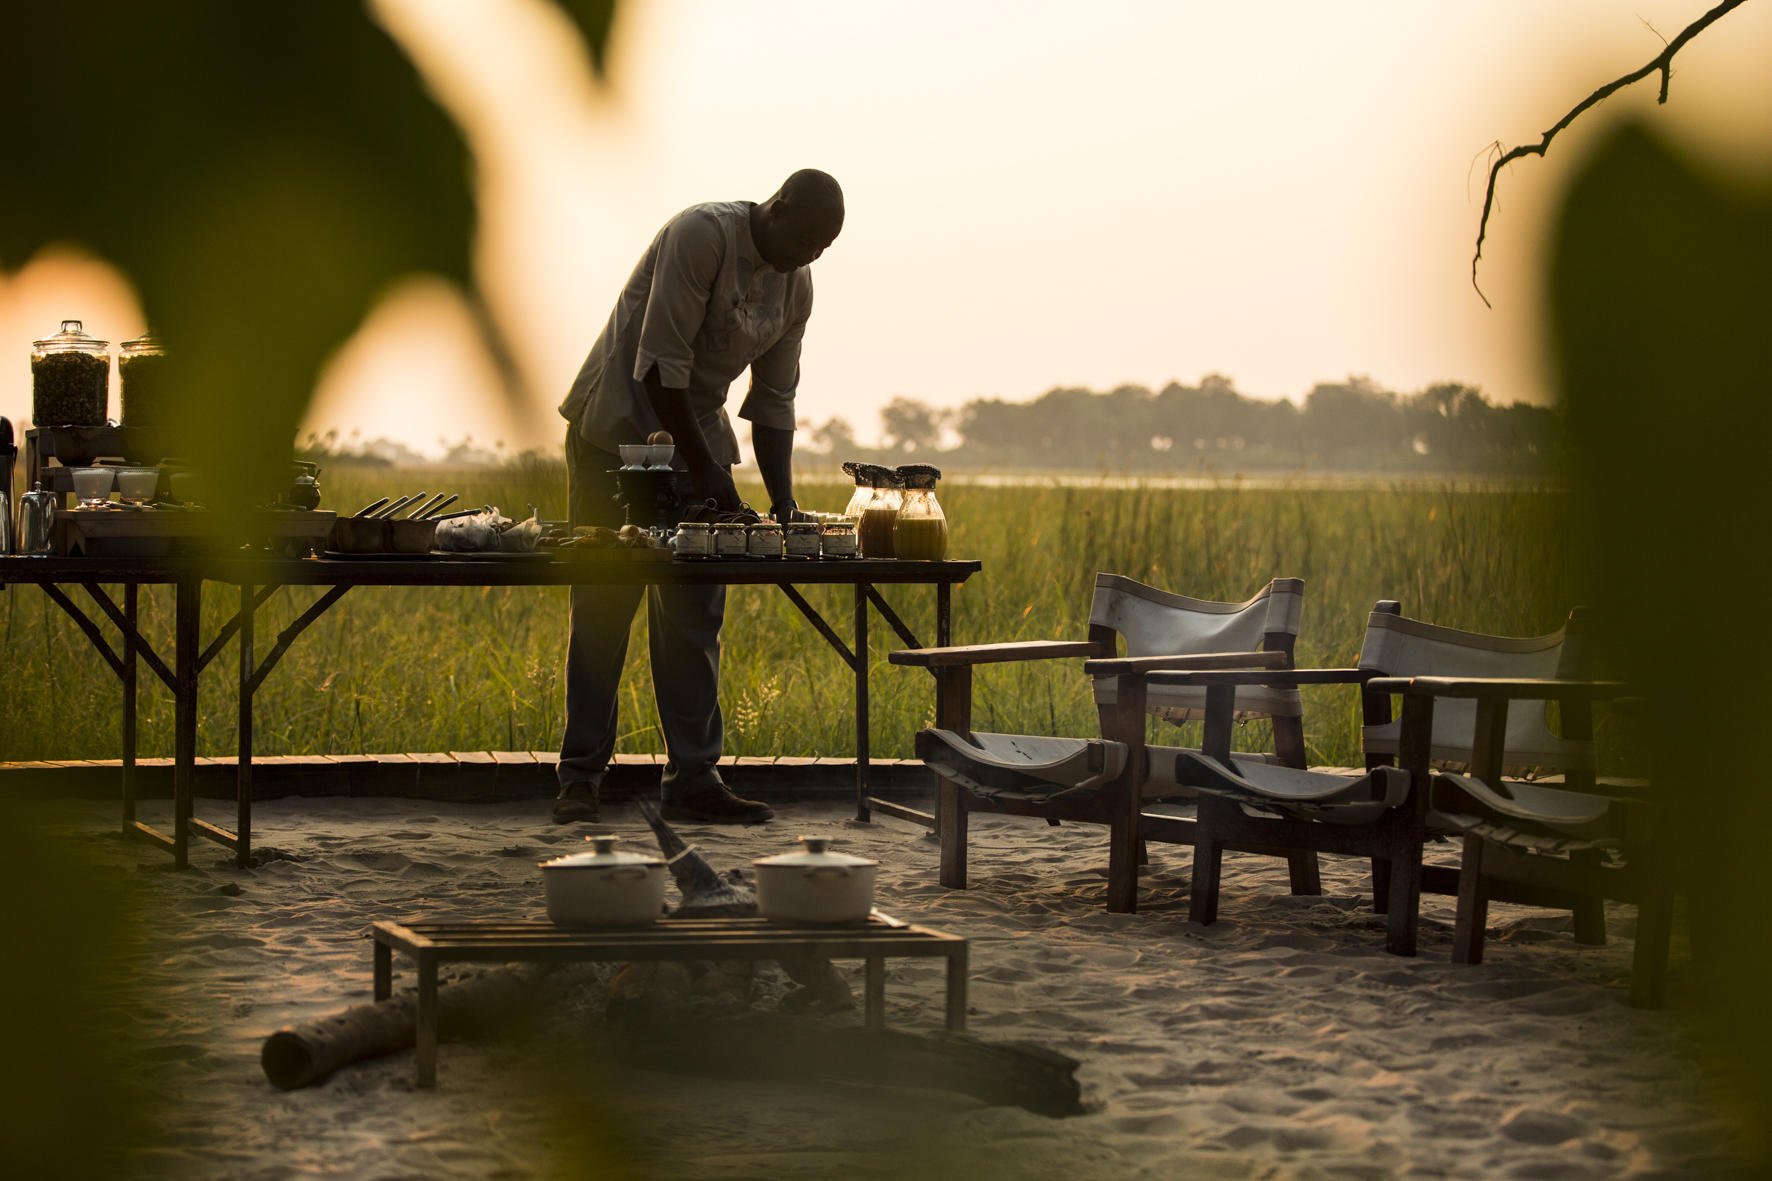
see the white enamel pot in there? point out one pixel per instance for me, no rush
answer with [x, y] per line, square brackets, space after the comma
[815, 885]
[604, 888]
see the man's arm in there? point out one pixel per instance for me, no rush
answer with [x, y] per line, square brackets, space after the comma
[774, 447]
[711, 479]
[769, 405]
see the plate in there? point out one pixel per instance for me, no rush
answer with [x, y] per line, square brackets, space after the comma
[492, 555]
[335, 555]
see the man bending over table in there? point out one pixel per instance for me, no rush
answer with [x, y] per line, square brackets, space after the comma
[723, 287]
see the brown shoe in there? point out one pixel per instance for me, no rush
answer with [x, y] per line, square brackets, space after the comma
[715, 804]
[576, 803]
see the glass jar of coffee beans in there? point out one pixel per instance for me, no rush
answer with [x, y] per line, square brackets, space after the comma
[70, 378]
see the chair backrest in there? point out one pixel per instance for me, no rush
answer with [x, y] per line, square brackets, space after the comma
[1401, 647]
[1153, 622]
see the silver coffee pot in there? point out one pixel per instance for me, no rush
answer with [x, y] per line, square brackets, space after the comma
[36, 513]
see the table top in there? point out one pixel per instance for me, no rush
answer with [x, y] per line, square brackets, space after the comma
[587, 567]
[724, 937]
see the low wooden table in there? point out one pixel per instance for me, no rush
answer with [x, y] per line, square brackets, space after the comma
[876, 939]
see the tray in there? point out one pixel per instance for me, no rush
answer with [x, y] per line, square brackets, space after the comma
[490, 555]
[340, 556]
[119, 532]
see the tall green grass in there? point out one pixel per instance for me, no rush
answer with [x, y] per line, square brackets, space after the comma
[420, 669]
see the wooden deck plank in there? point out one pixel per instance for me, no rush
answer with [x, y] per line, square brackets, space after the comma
[480, 776]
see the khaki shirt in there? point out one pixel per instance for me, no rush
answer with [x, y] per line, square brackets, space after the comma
[701, 306]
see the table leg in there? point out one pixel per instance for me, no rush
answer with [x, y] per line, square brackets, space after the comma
[874, 996]
[427, 1020]
[957, 969]
[243, 772]
[384, 971]
[861, 702]
[184, 727]
[130, 593]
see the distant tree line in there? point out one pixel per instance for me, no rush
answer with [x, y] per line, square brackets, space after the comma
[1353, 425]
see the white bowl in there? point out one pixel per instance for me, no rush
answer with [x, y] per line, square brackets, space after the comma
[659, 454]
[633, 454]
[93, 483]
[137, 483]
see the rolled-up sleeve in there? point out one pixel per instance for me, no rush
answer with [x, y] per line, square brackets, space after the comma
[775, 376]
[688, 262]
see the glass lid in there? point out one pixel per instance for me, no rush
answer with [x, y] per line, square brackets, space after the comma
[71, 337]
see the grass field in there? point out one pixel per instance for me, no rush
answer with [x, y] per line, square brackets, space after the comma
[421, 669]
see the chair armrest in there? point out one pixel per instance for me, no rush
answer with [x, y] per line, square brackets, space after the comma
[1276, 676]
[1507, 688]
[972, 654]
[1119, 665]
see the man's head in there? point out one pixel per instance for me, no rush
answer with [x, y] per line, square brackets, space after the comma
[793, 227]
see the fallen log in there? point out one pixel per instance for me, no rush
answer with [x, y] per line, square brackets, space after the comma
[1005, 1073]
[302, 1055]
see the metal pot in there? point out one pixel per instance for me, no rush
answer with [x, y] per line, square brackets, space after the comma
[815, 885]
[407, 536]
[603, 888]
[358, 535]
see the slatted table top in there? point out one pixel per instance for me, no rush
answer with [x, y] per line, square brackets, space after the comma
[668, 938]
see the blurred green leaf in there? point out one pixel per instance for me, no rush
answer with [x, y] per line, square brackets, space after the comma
[1658, 287]
[260, 172]
[593, 18]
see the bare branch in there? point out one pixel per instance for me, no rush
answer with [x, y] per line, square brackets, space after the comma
[1662, 64]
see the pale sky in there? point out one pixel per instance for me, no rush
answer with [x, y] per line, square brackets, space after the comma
[1039, 194]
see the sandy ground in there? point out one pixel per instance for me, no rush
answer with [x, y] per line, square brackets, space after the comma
[1280, 1042]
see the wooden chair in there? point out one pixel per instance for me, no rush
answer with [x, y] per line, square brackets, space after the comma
[1567, 845]
[1377, 812]
[1106, 780]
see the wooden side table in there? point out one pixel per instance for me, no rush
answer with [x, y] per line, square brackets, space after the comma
[875, 940]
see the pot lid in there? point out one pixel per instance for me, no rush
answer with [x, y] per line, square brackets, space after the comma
[815, 853]
[601, 856]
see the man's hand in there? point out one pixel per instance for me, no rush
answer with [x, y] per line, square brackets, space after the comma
[784, 513]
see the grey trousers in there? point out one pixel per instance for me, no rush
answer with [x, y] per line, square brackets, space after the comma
[683, 636]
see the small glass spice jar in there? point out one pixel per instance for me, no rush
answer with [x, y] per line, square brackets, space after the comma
[764, 540]
[838, 540]
[694, 539]
[70, 378]
[729, 539]
[800, 539]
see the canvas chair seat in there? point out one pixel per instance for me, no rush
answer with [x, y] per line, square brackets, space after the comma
[1531, 841]
[1332, 796]
[1529, 807]
[1022, 766]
